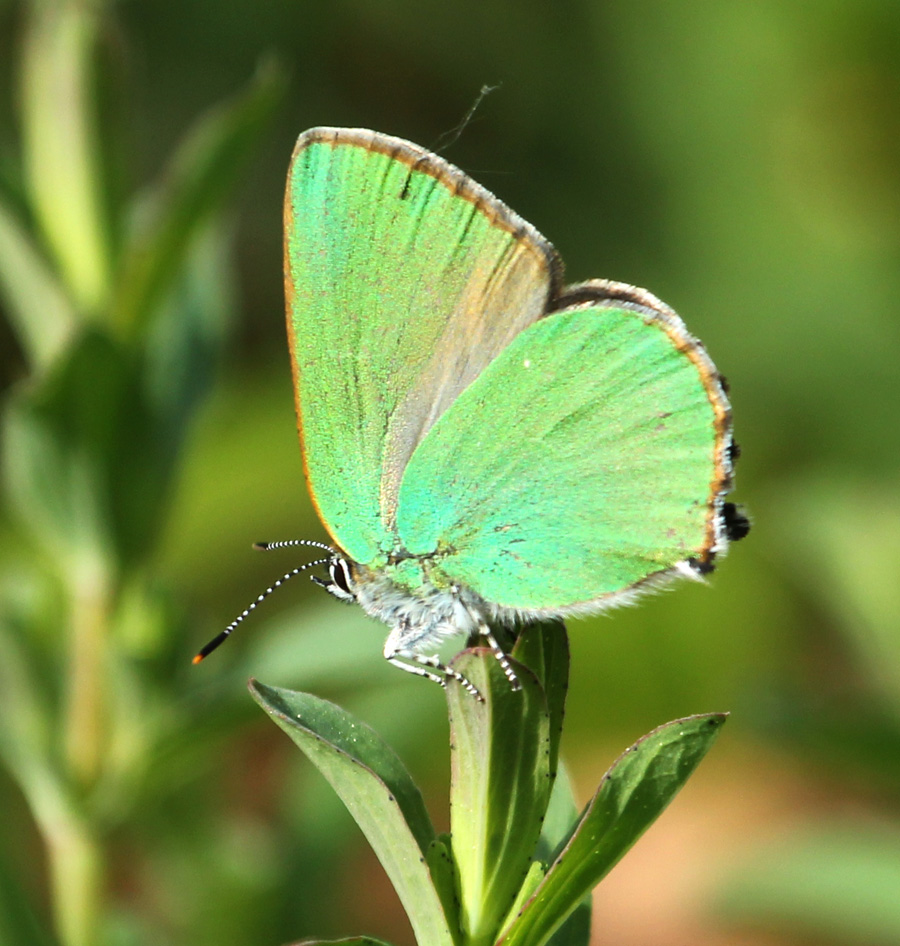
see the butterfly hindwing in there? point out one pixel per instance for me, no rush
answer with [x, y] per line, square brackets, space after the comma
[404, 279]
[589, 457]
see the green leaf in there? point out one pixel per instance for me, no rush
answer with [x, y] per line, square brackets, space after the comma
[544, 649]
[184, 342]
[631, 796]
[500, 786]
[439, 858]
[533, 878]
[26, 726]
[576, 930]
[837, 881]
[39, 311]
[559, 823]
[196, 185]
[561, 818]
[57, 440]
[60, 146]
[377, 790]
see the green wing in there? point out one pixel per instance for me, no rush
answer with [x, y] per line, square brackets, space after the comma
[404, 279]
[590, 457]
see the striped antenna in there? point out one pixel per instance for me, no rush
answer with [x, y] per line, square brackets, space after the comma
[291, 543]
[265, 546]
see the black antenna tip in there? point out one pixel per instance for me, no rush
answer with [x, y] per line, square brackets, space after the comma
[211, 646]
[261, 546]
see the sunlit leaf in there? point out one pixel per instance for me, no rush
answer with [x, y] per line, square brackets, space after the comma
[39, 310]
[378, 792]
[60, 145]
[631, 796]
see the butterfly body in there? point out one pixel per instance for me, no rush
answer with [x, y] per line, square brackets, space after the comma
[484, 445]
[420, 617]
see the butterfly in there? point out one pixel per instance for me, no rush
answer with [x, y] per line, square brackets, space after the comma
[484, 445]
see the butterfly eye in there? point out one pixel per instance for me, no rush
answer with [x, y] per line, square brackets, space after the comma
[340, 575]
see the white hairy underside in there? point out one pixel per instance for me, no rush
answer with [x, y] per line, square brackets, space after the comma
[420, 623]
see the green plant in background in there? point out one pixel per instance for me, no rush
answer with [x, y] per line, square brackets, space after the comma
[120, 309]
[519, 864]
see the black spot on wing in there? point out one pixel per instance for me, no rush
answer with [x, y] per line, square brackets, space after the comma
[737, 525]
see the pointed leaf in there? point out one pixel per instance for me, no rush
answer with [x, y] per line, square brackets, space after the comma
[183, 344]
[39, 311]
[377, 790]
[631, 796]
[59, 139]
[501, 781]
[196, 185]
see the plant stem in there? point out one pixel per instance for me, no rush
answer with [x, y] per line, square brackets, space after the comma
[85, 715]
[74, 851]
[77, 880]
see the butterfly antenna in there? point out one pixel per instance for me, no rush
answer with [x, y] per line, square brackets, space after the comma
[221, 637]
[291, 543]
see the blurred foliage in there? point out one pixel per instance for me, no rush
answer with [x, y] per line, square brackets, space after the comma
[742, 161]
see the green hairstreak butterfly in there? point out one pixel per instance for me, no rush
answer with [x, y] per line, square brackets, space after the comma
[484, 444]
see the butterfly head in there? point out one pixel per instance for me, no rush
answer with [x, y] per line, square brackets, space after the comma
[340, 582]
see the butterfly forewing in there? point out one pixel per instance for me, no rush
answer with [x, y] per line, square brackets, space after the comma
[589, 457]
[404, 280]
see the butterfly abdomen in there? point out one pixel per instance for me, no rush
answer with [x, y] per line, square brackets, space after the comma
[429, 614]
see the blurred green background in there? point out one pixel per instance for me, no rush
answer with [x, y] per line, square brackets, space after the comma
[740, 160]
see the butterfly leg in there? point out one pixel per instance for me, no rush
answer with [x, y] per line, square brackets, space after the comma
[500, 654]
[415, 663]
